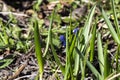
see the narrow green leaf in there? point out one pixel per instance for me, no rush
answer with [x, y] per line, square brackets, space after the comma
[87, 23]
[38, 49]
[115, 17]
[67, 65]
[100, 53]
[52, 47]
[112, 74]
[117, 58]
[112, 30]
[67, 48]
[107, 66]
[94, 71]
[77, 61]
[115, 77]
[57, 59]
[73, 44]
[90, 66]
[38, 2]
[6, 61]
[36, 77]
[92, 43]
[68, 54]
[49, 34]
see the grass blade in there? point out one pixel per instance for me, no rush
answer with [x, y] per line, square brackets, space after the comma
[87, 23]
[77, 61]
[52, 47]
[92, 43]
[57, 59]
[115, 17]
[38, 49]
[49, 34]
[112, 30]
[94, 71]
[90, 66]
[100, 54]
[107, 66]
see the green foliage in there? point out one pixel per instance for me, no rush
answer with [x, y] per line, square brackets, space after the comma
[38, 49]
[80, 45]
[37, 5]
[6, 61]
[100, 54]
[11, 39]
[92, 43]
[82, 49]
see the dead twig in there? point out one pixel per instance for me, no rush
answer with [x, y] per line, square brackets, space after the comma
[17, 72]
[13, 13]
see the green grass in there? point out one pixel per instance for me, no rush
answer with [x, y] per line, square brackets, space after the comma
[83, 50]
[38, 49]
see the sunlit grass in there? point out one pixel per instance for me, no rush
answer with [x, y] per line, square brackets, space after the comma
[82, 49]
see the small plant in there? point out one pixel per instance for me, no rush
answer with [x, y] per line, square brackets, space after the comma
[79, 48]
[38, 49]
[80, 43]
[37, 5]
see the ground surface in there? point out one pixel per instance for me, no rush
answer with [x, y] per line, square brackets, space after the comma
[22, 64]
